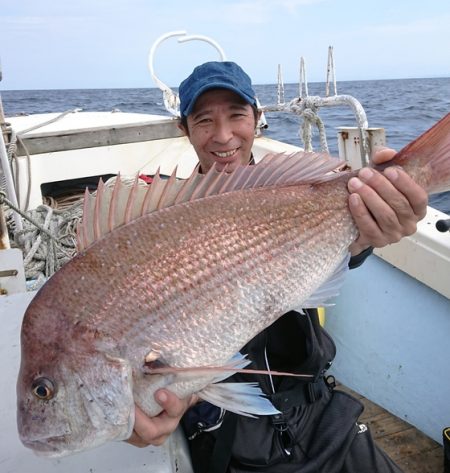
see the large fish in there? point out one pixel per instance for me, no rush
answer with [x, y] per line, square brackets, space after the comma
[181, 276]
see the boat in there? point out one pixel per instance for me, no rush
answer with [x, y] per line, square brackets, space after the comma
[390, 347]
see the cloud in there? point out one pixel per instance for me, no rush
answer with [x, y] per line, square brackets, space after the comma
[432, 25]
[259, 11]
[427, 25]
[292, 5]
[21, 24]
[14, 23]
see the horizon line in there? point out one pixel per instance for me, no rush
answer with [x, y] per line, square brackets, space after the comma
[255, 85]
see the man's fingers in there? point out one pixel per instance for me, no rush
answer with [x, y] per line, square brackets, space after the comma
[366, 224]
[146, 429]
[393, 198]
[386, 206]
[156, 430]
[382, 202]
[385, 202]
[382, 155]
[151, 430]
[416, 195]
[137, 441]
[173, 406]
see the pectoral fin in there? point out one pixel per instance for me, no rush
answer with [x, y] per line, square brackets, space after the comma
[245, 399]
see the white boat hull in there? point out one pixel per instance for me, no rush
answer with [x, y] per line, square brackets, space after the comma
[392, 337]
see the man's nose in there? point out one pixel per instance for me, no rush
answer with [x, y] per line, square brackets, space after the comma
[223, 132]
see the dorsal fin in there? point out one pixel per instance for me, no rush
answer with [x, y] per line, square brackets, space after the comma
[121, 203]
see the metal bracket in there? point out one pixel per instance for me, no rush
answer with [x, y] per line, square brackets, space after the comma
[8, 273]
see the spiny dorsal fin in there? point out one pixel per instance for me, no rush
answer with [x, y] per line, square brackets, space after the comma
[114, 206]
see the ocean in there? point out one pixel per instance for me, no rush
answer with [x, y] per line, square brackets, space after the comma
[404, 107]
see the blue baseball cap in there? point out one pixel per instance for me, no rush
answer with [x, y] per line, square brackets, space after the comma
[215, 75]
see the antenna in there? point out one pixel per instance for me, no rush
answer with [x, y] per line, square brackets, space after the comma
[330, 72]
[303, 81]
[280, 88]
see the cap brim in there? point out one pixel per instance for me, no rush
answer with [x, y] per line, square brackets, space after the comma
[217, 85]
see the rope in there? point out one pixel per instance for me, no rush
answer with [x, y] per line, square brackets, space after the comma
[4, 200]
[310, 118]
[308, 111]
[12, 155]
[48, 239]
[48, 122]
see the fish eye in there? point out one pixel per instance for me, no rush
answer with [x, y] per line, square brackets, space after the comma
[43, 388]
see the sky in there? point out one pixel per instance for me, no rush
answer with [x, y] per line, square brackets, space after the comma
[80, 44]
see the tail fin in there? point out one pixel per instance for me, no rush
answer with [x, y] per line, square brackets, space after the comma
[427, 158]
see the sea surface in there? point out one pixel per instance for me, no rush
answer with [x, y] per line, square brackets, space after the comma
[404, 107]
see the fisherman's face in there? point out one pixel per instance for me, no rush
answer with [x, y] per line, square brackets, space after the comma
[221, 129]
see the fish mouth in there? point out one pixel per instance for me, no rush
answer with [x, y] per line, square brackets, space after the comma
[48, 447]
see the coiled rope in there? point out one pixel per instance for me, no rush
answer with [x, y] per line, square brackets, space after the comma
[312, 118]
[306, 109]
[48, 237]
[47, 240]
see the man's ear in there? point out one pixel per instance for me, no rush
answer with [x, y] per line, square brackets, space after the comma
[183, 128]
[258, 117]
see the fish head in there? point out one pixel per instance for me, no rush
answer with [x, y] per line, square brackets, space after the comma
[70, 397]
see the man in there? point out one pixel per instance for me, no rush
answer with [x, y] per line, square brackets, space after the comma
[317, 430]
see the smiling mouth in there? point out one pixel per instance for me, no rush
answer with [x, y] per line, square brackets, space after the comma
[225, 154]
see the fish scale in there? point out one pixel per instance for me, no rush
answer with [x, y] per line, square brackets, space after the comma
[227, 248]
[232, 263]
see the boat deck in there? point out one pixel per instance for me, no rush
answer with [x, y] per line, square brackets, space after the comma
[412, 450]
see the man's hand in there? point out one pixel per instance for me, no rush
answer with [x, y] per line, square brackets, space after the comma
[156, 430]
[385, 206]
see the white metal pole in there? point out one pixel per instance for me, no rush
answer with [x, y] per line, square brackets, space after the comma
[10, 188]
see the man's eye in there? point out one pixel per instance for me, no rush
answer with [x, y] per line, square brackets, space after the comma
[239, 115]
[203, 121]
